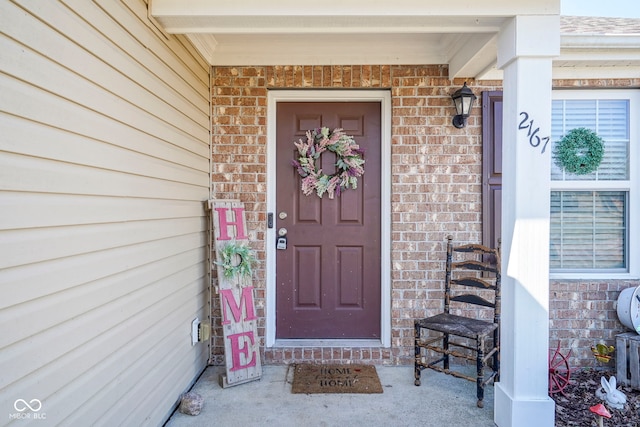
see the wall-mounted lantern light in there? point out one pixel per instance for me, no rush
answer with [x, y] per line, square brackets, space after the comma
[463, 100]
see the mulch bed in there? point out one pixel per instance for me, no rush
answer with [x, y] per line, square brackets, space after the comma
[573, 409]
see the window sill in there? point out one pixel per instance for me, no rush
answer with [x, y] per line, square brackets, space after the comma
[593, 276]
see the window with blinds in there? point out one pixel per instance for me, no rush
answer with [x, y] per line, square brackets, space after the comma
[610, 120]
[588, 230]
[590, 213]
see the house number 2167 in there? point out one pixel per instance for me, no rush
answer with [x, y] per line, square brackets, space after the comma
[534, 139]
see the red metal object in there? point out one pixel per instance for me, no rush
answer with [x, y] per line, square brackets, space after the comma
[559, 371]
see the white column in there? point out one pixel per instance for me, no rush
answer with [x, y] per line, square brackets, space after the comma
[525, 48]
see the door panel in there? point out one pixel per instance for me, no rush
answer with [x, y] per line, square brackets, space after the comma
[328, 277]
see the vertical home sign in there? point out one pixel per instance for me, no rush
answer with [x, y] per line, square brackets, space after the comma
[239, 321]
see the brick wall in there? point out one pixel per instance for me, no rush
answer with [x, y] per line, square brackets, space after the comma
[583, 314]
[436, 191]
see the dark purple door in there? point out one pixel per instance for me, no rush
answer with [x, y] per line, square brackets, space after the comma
[328, 277]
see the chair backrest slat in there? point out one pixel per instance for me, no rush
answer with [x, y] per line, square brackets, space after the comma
[476, 266]
[474, 282]
[473, 248]
[473, 299]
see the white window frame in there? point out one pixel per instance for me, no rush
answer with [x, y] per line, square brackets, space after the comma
[632, 185]
[384, 97]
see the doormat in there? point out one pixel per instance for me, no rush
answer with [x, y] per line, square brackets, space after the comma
[310, 379]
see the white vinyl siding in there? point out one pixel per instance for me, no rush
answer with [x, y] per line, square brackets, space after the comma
[593, 215]
[104, 171]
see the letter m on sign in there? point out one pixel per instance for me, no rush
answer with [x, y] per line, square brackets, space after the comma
[228, 301]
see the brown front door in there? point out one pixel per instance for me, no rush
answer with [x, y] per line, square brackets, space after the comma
[328, 277]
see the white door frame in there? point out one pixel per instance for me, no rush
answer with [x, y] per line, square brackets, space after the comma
[384, 97]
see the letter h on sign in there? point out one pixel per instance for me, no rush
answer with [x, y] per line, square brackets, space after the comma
[224, 223]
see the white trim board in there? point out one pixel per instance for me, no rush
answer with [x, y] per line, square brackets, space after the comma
[384, 97]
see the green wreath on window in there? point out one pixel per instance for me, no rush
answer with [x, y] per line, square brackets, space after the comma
[580, 151]
[237, 260]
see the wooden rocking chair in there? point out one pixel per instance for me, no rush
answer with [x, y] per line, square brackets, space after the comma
[478, 273]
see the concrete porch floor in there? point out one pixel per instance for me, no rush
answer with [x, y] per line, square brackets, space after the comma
[442, 400]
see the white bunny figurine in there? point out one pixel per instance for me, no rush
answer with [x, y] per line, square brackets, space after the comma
[608, 393]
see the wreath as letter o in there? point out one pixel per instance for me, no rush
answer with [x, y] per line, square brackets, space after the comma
[237, 260]
[580, 151]
[349, 163]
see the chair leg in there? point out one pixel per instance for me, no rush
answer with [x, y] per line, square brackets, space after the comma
[416, 367]
[445, 347]
[480, 368]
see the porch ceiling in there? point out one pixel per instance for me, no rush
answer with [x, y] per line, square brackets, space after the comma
[341, 32]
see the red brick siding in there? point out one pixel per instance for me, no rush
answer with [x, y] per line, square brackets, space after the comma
[436, 191]
[583, 314]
